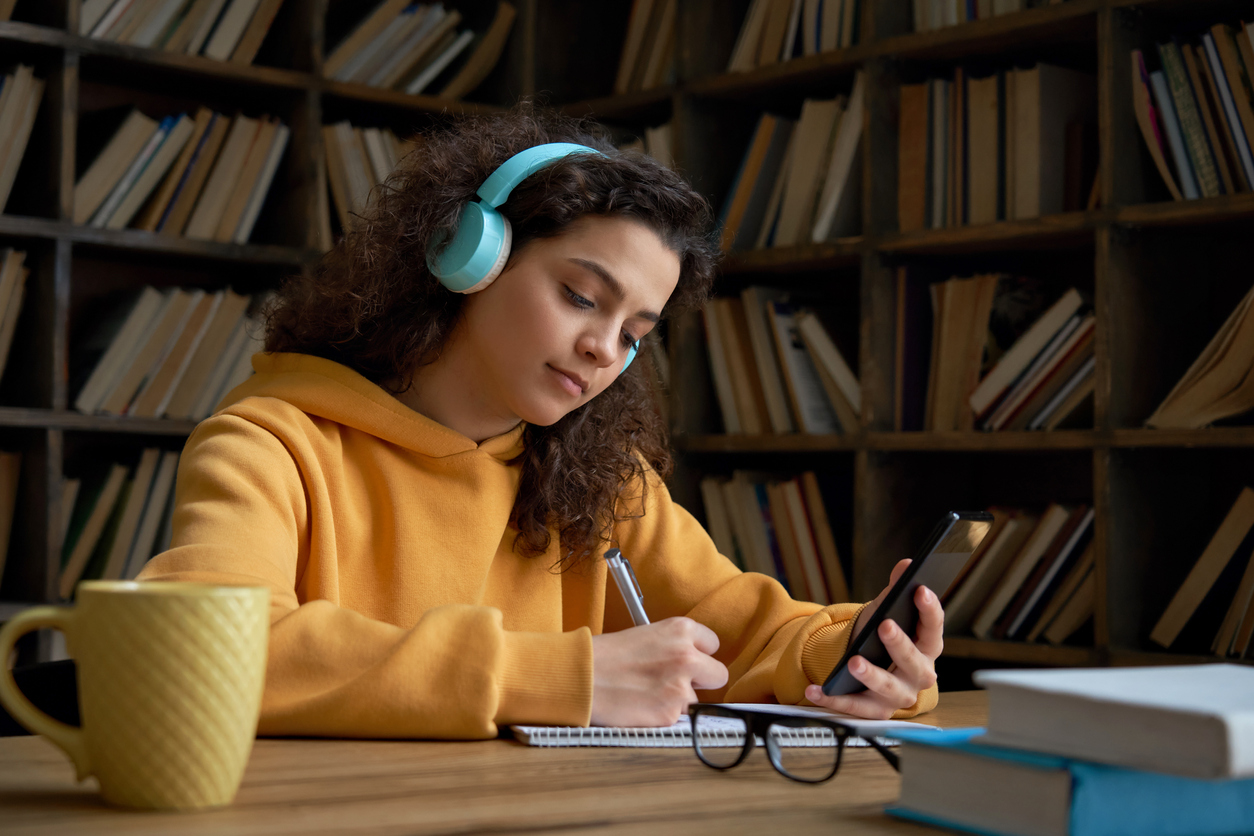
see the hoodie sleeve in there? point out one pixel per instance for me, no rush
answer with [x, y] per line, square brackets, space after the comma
[772, 645]
[242, 517]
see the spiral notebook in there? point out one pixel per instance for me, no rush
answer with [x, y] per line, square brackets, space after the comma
[725, 731]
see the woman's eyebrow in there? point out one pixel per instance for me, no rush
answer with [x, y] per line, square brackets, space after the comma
[615, 286]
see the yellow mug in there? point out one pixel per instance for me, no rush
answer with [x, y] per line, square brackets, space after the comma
[169, 688]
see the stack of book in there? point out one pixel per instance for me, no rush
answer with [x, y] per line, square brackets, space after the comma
[203, 176]
[10, 470]
[936, 14]
[1220, 383]
[1165, 751]
[13, 275]
[20, 93]
[120, 517]
[799, 182]
[225, 30]
[778, 30]
[417, 48]
[357, 160]
[777, 527]
[776, 368]
[648, 58]
[172, 353]
[1031, 578]
[993, 351]
[1221, 583]
[1013, 144]
[1196, 111]
[657, 142]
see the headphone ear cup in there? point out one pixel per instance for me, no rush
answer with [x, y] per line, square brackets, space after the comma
[477, 253]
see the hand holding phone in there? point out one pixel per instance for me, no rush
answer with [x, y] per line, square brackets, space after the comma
[939, 562]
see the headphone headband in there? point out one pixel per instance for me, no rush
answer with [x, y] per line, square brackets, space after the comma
[496, 189]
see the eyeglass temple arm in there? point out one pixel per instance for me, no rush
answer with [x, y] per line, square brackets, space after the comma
[889, 754]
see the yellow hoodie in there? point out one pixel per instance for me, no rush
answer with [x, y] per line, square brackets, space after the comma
[398, 607]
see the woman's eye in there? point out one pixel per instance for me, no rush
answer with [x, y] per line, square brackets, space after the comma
[578, 300]
[630, 342]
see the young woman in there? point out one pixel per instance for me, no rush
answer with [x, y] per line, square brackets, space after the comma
[427, 480]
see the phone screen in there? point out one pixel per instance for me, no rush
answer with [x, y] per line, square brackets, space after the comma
[938, 564]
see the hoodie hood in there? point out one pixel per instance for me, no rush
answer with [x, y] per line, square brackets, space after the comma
[332, 391]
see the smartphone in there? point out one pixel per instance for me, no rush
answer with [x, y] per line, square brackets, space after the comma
[937, 565]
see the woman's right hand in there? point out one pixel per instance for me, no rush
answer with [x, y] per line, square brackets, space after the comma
[647, 676]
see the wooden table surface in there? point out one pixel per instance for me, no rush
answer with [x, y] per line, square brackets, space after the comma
[498, 786]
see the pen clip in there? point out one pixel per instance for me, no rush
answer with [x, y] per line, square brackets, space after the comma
[632, 574]
[616, 560]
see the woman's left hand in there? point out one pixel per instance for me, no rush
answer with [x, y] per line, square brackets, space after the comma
[914, 662]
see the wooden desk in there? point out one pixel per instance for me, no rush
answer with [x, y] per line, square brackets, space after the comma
[387, 787]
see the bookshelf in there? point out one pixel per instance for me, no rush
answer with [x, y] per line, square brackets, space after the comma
[1158, 493]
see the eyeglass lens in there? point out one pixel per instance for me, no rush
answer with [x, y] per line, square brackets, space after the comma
[719, 740]
[809, 753]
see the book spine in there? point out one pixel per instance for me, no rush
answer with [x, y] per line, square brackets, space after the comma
[1193, 132]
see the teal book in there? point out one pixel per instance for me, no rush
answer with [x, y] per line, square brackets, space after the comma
[951, 779]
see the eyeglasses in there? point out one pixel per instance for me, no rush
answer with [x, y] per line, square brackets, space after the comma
[805, 749]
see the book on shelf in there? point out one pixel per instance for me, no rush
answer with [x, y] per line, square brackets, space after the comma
[799, 182]
[776, 368]
[223, 30]
[778, 527]
[937, 14]
[115, 523]
[158, 353]
[1010, 144]
[989, 351]
[357, 160]
[959, 780]
[418, 47]
[1027, 579]
[1220, 382]
[1192, 101]
[13, 278]
[779, 30]
[10, 473]
[1205, 711]
[20, 95]
[183, 175]
[1215, 575]
[648, 57]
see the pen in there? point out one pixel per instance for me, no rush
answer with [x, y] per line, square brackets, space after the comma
[628, 586]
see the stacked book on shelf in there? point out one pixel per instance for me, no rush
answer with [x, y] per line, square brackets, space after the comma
[777, 527]
[225, 30]
[20, 94]
[1220, 383]
[203, 176]
[1071, 751]
[1196, 111]
[13, 275]
[420, 48]
[779, 30]
[648, 57]
[1012, 144]
[657, 142]
[799, 181]
[172, 353]
[10, 470]
[1031, 578]
[993, 351]
[357, 160]
[115, 519]
[1220, 585]
[776, 368]
[937, 14]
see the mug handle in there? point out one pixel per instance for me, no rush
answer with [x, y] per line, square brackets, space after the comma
[15, 702]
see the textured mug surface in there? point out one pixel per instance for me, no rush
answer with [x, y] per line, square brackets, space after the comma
[170, 677]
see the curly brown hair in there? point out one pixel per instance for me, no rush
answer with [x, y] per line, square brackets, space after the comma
[371, 303]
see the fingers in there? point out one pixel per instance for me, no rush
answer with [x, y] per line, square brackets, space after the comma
[901, 566]
[914, 670]
[930, 638]
[703, 638]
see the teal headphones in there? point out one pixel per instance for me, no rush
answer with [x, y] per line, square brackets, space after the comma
[481, 245]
